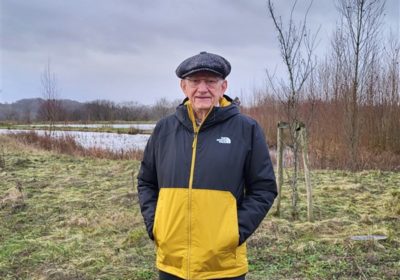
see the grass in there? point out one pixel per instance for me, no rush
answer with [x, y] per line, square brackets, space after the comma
[79, 218]
[346, 204]
[75, 217]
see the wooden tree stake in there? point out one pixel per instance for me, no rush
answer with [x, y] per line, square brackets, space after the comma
[279, 163]
[304, 144]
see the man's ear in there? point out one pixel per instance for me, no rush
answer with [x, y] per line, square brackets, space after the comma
[183, 86]
[224, 86]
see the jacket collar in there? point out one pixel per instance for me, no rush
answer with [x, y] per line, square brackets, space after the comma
[226, 110]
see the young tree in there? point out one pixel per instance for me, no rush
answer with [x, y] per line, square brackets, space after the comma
[296, 45]
[51, 108]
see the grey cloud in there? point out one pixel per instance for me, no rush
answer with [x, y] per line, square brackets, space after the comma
[131, 26]
[127, 26]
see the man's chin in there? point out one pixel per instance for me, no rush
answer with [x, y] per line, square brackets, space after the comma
[203, 106]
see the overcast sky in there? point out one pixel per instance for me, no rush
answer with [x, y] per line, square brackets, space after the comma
[128, 50]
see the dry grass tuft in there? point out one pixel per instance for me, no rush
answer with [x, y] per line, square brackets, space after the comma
[13, 198]
[393, 203]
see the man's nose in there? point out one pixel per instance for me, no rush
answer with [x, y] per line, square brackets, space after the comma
[203, 86]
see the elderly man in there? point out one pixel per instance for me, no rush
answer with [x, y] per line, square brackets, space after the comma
[206, 180]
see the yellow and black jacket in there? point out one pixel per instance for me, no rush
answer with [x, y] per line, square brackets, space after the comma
[203, 190]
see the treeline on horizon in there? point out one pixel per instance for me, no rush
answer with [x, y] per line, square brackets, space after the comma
[27, 111]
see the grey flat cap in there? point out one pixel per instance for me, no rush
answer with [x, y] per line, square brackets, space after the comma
[204, 61]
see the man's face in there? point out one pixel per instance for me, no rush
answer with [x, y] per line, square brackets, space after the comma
[204, 89]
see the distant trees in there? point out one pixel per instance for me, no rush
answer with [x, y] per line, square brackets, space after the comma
[104, 110]
[59, 110]
[100, 110]
[134, 111]
[163, 107]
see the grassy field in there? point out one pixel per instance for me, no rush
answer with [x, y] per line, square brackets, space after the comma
[64, 217]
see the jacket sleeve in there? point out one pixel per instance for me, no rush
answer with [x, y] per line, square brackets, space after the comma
[260, 186]
[148, 185]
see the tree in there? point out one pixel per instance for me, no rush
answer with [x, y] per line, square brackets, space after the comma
[296, 45]
[51, 108]
[163, 107]
[356, 44]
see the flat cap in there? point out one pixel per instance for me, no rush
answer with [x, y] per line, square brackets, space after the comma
[204, 61]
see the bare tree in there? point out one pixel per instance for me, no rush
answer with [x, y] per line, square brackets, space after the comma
[162, 108]
[356, 45]
[296, 45]
[51, 107]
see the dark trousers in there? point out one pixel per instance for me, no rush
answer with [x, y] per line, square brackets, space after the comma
[167, 276]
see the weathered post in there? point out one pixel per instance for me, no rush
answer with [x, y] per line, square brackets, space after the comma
[304, 144]
[279, 164]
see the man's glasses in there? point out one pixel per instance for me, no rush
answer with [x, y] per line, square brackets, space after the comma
[210, 82]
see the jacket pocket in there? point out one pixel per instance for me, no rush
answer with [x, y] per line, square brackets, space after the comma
[214, 230]
[170, 227]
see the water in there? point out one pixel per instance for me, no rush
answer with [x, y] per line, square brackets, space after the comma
[110, 141]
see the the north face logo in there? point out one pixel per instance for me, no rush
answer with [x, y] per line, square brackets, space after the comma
[224, 140]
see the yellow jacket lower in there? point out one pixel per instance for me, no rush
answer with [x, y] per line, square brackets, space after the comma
[204, 244]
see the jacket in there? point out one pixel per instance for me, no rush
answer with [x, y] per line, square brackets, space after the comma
[203, 190]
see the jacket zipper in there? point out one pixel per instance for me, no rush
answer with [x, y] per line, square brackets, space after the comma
[194, 146]
[196, 129]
